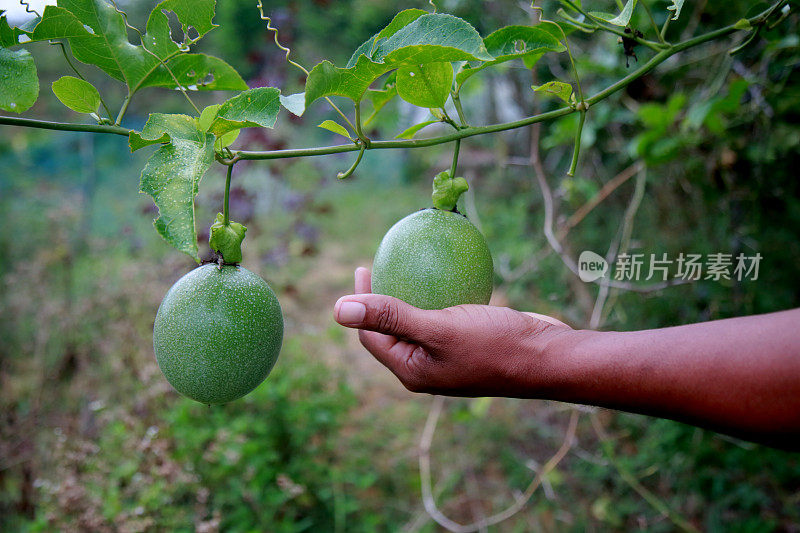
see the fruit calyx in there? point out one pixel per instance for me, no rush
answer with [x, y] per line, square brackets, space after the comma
[447, 190]
[226, 239]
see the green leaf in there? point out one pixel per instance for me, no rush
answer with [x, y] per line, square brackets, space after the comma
[327, 80]
[379, 99]
[161, 128]
[512, 42]
[402, 19]
[294, 103]
[250, 109]
[55, 23]
[207, 116]
[409, 133]
[227, 239]
[172, 175]
[335, 127]
[77, 94]
[420, 41]
[743, 24]
[429, 38]
[226, 140]
[19, 83]
[618, 20]
[676, 7]
[198, 72]
[447, 190]
[556, 88]
[426, 85]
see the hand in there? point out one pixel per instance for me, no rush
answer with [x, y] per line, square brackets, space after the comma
[466, 350]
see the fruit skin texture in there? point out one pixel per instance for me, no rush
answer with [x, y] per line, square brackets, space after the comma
[217, 333]
[434, 259]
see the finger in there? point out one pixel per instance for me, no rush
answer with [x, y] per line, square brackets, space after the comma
[387, 315]
[551, 320]
[363, 281]
[391, 352]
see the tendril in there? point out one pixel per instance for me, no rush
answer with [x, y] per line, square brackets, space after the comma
[28, 8]
[274, 30]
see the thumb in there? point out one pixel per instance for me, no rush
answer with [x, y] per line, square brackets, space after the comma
[384, 314]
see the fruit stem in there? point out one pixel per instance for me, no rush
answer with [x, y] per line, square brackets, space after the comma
[577, 149]
[456, 148]
[226, 198]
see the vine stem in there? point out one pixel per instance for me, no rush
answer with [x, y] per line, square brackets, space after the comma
[657, 59]
[226, 199]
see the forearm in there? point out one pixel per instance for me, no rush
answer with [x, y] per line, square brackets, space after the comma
[739, 376]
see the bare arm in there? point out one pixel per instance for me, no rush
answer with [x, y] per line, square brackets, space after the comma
[739, 376]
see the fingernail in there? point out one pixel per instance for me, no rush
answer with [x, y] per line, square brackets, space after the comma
[351, 313]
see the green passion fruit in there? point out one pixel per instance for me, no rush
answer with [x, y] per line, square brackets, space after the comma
[217, 333]
[434, 259]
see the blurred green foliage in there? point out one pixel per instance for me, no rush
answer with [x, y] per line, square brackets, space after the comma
[92, 437]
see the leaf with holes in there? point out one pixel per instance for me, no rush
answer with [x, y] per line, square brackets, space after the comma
[77, 94]
[19, 83]
[622, 19]
[513, 42]
[426, 85]
[172, 175]
[104, 43]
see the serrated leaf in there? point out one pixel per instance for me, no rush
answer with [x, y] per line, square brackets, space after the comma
[335, 127]
[77, 94]
[676, 7]
[161, 128]
[512, 42]
[429, 38]
[410, 132]
[426, 85]
[55, 23]
[172, 176]
[327, 80]
[253, 108]
[556, 88]
[618, 20]
[413, 43]
[294, 103]
[19, 83]
[402, 19]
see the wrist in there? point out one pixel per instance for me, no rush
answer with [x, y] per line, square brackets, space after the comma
[561, 364]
